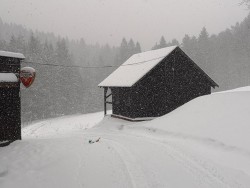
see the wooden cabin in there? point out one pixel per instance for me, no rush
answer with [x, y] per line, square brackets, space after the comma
[10, 107]
[154, 83]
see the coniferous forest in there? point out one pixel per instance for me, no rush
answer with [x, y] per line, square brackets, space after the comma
[72, 87]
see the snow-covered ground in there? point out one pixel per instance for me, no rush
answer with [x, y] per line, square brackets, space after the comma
[203, 144]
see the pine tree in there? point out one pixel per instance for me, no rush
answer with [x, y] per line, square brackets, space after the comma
[137, 47]
[186, 42]
[131, 48]
[34, 48]
[17, 44]
[190, 46]
[48, 81]
[175, 42]
[155, 46]
[3, 45]
[203, 37]
[163, 43]
[1, 21]
[124, 52]
[69, 80]
[12, 44]
[1, 30]
[203, 50]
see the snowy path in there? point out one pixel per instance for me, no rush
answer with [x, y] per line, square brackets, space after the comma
[172, 151]
[163, 163]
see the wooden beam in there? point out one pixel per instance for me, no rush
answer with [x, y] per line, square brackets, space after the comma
[108, 95]
[109, 102]
[105, 104]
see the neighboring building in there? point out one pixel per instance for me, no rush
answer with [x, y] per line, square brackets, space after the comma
[153, 83]
[10, 107]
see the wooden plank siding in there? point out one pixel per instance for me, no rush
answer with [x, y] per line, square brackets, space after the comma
[10, 103]
[173, 82]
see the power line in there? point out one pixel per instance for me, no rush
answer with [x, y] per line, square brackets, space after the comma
[70, 66]
[89, 67]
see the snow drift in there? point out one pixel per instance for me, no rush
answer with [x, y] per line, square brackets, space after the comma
[223, 117]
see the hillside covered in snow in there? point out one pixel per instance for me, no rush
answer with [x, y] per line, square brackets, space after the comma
[203, 144]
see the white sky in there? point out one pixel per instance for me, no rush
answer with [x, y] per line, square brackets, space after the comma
[108, 21]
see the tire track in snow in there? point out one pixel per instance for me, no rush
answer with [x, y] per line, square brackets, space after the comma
[202, 178]
[208, 176]
[202, 175]
[206, 171]
[203, 140]
[131, 164]
[80, 166]
[31, 130]
[206, 166]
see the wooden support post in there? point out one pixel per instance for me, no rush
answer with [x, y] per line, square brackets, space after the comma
[105, 104]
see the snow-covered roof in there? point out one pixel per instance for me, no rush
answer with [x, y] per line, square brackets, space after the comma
[135, 68]
[11, 54]
[8, 77]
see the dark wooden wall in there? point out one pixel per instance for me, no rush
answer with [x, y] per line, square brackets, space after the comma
[172, 83]
[122, 101]
[10, 108]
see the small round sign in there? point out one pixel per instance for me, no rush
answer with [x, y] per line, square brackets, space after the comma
[27, 76]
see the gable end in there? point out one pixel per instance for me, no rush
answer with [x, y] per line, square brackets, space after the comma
[213, 83]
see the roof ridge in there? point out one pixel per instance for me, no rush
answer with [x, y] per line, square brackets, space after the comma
[142, 61]
[155, 50]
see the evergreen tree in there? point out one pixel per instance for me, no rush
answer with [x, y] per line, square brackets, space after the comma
[17, 44]
[203, 37]
[1, 22]
[1, 29]
[69, 80]
[175, 42]
[186, 41]
[137, 47]
[48, 82]
[189, 45]
[62, 53]
[124, 52]
[155, 46]
[131, 48]
[203, 50]
[34, 48]
[163, 43]
[3, 45]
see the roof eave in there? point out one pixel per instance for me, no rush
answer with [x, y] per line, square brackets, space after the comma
[213, 83]
[113, 86]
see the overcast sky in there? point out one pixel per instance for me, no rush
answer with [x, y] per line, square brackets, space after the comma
[108, 21]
